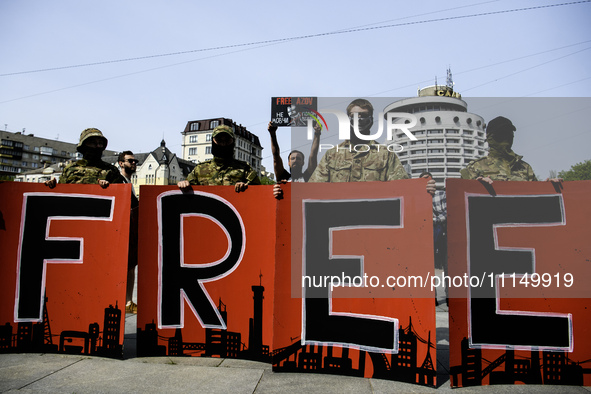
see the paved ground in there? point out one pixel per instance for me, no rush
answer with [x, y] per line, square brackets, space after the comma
[66, 373]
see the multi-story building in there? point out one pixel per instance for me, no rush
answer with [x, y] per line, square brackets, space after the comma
[448, 136]
[21, 152]
[197, 142]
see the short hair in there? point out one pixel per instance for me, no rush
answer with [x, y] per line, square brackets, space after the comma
[425, 173]
[296, 151]
[362, 103]
[123, 154]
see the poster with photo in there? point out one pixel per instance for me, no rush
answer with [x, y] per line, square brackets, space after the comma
[293, 111]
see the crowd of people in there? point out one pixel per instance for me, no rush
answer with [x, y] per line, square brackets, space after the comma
[338, 164]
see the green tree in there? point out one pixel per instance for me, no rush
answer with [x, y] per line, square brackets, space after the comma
[578, 172]
[266, 181]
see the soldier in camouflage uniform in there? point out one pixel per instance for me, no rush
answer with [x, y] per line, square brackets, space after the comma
[373, 162]
[223, 169]
[501, 164]
[91, 169]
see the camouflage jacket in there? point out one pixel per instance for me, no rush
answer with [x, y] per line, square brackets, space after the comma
[376, 164]
[499, 169]
[219, 172]
[84, 171]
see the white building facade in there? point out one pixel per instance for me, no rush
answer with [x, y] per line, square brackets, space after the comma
[448, 136]
[196, 144]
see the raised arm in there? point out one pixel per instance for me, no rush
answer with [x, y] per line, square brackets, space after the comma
[277, 162]
[313, 158]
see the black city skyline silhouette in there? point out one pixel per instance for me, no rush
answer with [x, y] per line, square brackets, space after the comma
[555, 368]
[37, 337]
[218, 342]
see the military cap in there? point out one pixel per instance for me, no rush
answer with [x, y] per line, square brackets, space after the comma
[499, 123]
[223, 129]
[88, 133]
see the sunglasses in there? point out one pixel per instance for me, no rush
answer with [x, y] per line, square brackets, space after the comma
[132, 161]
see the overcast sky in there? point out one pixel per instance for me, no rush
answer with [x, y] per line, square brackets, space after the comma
[196, 60]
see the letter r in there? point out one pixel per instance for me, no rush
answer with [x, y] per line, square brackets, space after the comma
[177, 280]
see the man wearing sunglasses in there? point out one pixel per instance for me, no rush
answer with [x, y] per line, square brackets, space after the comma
[128, 164]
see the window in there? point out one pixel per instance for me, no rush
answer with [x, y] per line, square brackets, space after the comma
[454, 160]
[213, 124]
[469, 151]
[195, 126]
[417, 152]
[436, 141]
[468, 142]
[453, 141]
[453, 131]
[418, 161]
[208, 137]
[192, 151]
[435, 150]
[419, 142]
[453, 151]
[208, 150]
[193, 139]
[438, 160]
[468, 132]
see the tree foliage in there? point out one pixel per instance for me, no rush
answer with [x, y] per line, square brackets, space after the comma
[578, 172]
[266, 181]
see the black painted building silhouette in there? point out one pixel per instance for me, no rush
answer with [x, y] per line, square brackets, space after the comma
[402, 366]
[218, 342]
[37, 337]
[556, 368]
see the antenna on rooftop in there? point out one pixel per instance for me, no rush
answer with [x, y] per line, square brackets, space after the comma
[450, 82]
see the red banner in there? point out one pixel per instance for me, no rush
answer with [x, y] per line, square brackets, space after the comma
[374, 238]
[206, 268]
[519, 257]
[64, 266]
